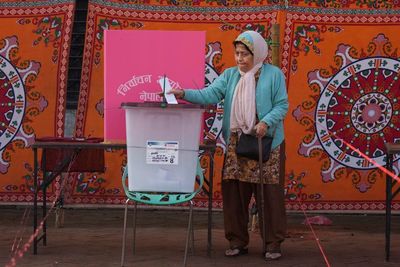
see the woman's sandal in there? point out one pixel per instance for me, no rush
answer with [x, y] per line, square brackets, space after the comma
[271, 256]
[234, 252]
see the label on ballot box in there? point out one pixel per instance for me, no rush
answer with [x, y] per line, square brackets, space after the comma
[162, 152]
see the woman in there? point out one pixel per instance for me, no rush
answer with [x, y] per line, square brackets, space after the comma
[255, 102]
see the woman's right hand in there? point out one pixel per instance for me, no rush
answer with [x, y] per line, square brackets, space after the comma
[179, 93]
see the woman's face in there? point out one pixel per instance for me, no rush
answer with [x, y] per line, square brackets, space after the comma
[243, 58]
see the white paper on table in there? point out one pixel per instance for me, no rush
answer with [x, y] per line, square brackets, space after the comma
[171, 99]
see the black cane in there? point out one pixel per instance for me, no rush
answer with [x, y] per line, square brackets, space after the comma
[260, 163]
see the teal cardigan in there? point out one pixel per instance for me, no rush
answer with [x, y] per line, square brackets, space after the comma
[271, 98]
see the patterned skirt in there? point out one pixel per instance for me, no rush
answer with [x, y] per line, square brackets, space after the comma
[247, 170]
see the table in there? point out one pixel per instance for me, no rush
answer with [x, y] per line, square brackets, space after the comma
[391, 150]
[79, 147]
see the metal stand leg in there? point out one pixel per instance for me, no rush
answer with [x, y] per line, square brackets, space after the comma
[188, 232]
[191, 247]
[124, 234]
[44, 209]
[35, 194]
[134, 227]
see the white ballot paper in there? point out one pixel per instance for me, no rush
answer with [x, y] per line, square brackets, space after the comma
[171, 99]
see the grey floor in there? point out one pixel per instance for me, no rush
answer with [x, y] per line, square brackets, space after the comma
[92, 237]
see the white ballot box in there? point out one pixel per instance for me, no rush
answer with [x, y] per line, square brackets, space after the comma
[162, 146]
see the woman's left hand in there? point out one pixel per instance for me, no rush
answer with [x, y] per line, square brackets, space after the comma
[261, 129]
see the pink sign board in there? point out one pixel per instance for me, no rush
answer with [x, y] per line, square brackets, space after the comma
[135, 61]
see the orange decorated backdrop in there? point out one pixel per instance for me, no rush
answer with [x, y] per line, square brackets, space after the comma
[343, 85]
[34, 48]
